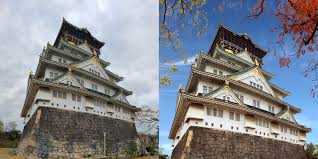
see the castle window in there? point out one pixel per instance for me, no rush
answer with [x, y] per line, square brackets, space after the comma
[54, 93]
[210, 89]
[64, 95]
[215, 71]
[206, 123]
[78, 98]
[232, 127]
[209, 111]
[271, 109]
[221, 125]
[214, 112]
[60, 60]
[237, 116]
[107, 91]
[281, 128]
[220, 73]
[94, 87]
[59, 94]
[73, 97]
[220, 113]
[64, 61]
[256, 103]
[205, 89]
[242, 98]
[231, 115]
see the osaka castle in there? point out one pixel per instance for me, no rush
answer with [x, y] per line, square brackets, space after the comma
[230, 108]
[74, 104]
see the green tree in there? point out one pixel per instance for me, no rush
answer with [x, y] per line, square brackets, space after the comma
[1, 126]
[311, 151]
[11, 126]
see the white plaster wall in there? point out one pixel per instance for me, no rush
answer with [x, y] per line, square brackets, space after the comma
[238, 126]
[48, 70]
[56, 58]
[210, 68]
[88, 64]
[101, 88]
[248, 99]
[68, 104]
[204, 83]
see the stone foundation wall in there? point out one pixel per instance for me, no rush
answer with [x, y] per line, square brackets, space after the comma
[204, 143]
[56, 133]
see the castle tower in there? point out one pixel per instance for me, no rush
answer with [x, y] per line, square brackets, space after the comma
[230, 109]
[74, 106]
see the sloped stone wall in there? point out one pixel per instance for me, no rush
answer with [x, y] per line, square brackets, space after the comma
[56, 133]
[207, 143]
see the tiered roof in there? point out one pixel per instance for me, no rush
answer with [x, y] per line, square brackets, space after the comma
[236, 41]
[77, 35]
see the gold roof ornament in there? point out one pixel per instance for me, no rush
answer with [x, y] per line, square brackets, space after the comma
[256, 62]
[71, 42]
[94, 52]
[94, 60]
[180, 88]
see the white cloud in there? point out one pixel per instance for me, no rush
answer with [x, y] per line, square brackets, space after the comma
[130, 32]
[187, 61]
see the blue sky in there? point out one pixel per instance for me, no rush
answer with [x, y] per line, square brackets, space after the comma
[259, 30]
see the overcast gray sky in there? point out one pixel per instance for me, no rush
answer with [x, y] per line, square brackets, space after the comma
[129, 29]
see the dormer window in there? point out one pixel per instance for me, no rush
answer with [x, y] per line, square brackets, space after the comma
[107, 91]
[240, 97]
[205, 89]
[94, 87]
[256, 103]
[227, 99]
[215, 71]
[256, 85]
[51, 75]
[69, 83]
[210, 89]
[271, 109]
